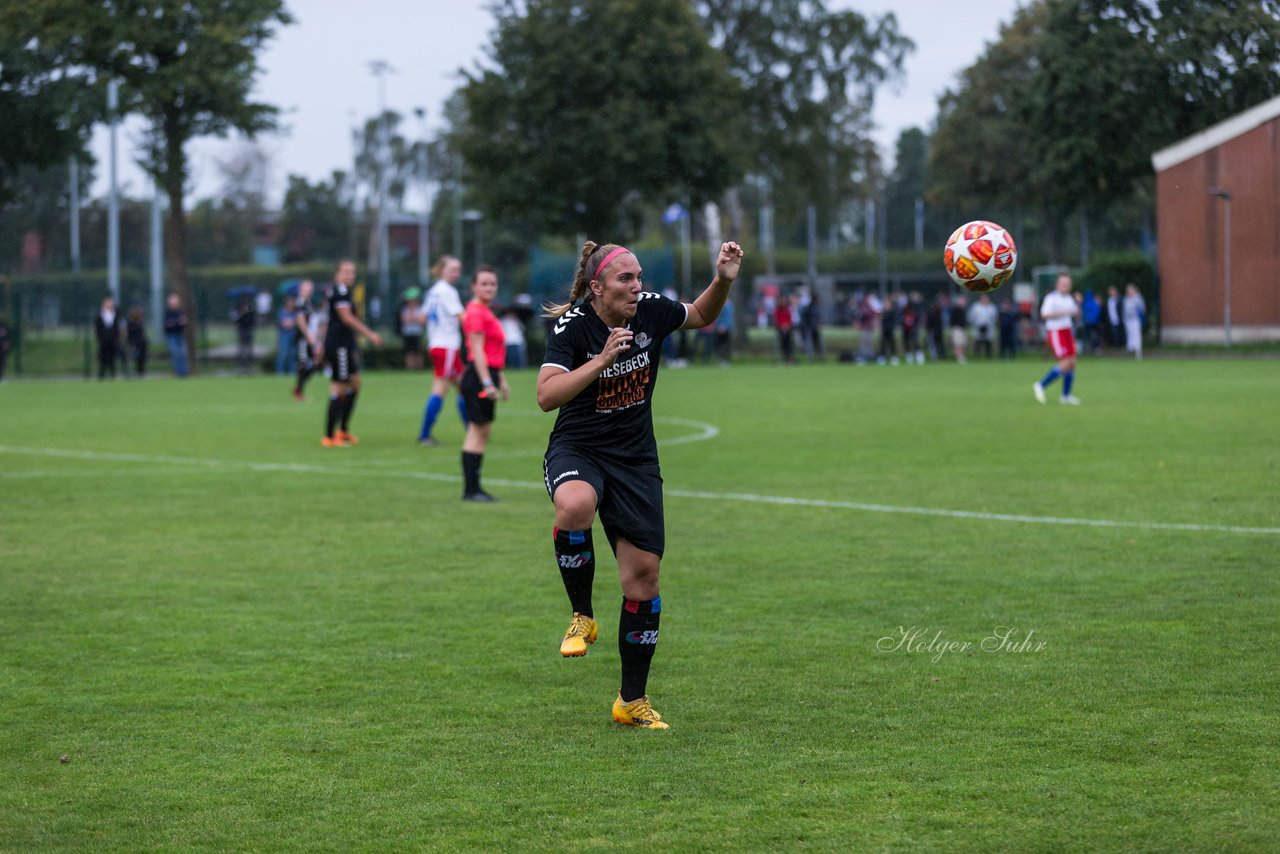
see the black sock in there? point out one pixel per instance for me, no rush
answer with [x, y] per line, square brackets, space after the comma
[576, 557]
[471, 472]
[348, 409]
[303, 375]
[637, 640]
[335, 409]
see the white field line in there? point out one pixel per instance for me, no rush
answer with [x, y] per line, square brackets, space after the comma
[305, 468]
[704, 433]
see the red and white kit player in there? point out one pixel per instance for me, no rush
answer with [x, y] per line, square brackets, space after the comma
[1058, 311]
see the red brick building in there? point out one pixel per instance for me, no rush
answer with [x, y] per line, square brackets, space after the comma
[1239, 157]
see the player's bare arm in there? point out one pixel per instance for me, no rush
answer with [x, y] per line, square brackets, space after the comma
[557, 387]
[349, 320]
[704, 310]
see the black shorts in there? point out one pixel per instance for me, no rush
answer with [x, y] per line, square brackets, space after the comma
[343, 361]
[480, 410]
[412, 344]
[628, 495]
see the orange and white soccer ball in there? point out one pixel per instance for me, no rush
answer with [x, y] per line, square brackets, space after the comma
[980, 256]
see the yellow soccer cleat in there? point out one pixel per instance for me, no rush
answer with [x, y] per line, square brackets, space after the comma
[582, 631]
[638, 713]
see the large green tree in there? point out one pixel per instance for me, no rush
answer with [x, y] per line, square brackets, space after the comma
[809, 77]
[45, 108]
[316, 220]
[590, 109]
[1064, 110]
[1118, 79]
[187, 66]
[905, 185]
[385, 154]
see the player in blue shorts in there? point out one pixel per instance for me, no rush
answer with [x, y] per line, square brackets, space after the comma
[600, 370]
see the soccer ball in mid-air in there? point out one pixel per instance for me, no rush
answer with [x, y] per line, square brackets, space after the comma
[980, 256]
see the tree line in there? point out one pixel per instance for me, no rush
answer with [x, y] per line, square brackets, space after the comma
[736, 109]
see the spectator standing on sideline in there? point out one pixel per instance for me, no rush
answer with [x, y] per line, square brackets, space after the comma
[513, 332]
[1115, 326]
[889, 330]
[412, 318]
[939, 311]
[869, 309]
[811, 329]
[959, 320]
[106, 328]
[912, 347]
[175, 334]
[1134, 312]
[263, 299]
[1091, 318]
[724, 335]
[1009, 318]
[245, 319]
[443, 309]
[785, 323]
[287, 337]
[136, 335]
[982, 317]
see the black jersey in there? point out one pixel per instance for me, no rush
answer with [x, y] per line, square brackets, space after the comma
[613, 415]
[338, 334]
[303, 308]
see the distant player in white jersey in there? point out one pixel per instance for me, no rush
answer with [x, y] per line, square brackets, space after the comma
[1058, 310]
[443, 310]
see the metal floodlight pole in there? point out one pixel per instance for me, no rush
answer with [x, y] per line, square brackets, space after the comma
[1220, 193]
[75, 214]
[113, 198]
[686, 256]
[380, 68]
[424, 216]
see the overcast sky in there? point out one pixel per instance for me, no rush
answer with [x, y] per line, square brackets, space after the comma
[317, 72]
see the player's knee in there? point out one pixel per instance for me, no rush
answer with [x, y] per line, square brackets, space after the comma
[575, 506]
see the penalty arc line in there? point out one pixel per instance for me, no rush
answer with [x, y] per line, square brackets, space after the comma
[782, 500]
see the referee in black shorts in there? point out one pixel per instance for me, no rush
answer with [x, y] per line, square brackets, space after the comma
[600, 371]
[482, 382]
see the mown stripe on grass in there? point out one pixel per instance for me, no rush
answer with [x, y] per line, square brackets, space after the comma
[309, 468]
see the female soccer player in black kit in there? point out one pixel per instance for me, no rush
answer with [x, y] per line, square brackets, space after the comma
[600, 370]
[343, 357]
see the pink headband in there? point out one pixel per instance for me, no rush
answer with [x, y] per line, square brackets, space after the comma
[605, 263]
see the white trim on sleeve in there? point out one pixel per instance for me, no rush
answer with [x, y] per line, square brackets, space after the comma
[554, 365]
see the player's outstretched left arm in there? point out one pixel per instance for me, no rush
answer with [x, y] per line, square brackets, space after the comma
[704, 310]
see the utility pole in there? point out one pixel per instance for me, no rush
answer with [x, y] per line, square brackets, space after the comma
[380, 68]
[75, 214]
[113, 198]
[424, 216]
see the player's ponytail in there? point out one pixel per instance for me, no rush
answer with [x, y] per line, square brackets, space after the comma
[591, 257]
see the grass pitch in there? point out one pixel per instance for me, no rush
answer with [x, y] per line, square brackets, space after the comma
[237, 640]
